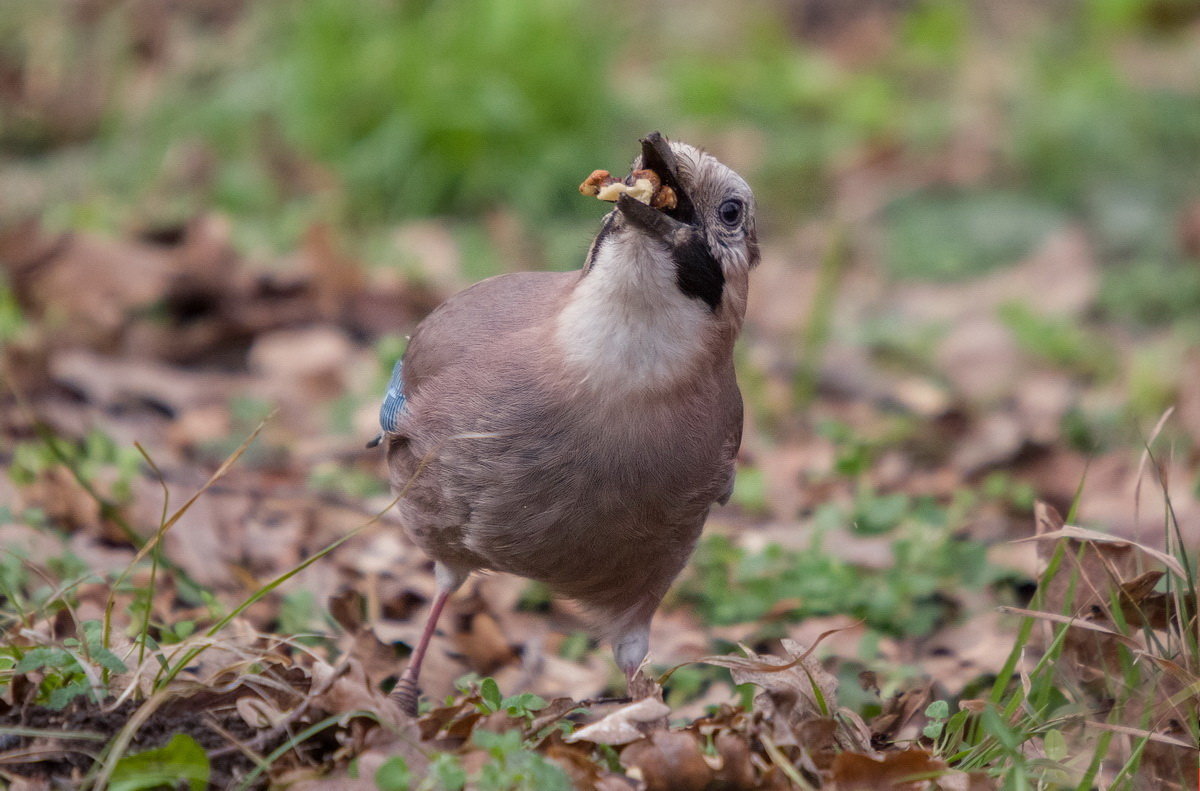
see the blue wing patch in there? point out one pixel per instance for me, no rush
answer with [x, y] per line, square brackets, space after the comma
[393, 404]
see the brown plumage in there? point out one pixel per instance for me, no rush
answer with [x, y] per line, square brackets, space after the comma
[576, 427]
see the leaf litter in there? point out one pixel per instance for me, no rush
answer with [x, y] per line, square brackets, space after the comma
[246, 694]
[174, 340]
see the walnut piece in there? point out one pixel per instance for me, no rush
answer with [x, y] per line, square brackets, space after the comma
[665, 199]
[593, 183]
[644, 185]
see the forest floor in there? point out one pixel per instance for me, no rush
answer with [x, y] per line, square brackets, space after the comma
[960, 554]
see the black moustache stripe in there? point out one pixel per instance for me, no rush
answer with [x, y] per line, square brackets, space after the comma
[698, 273]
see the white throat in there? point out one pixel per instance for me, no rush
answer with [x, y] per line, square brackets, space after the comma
[626, 326]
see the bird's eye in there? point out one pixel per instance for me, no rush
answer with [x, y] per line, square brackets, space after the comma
[730, 212]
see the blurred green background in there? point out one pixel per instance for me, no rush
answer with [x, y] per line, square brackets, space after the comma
[989, 123]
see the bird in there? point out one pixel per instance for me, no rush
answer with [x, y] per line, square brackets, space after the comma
[575, 428]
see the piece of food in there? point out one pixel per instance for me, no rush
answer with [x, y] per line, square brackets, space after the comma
[593, 183]
[643, 185]
[664, 199]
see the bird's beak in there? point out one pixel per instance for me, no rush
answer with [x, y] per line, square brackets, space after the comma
[670, 225]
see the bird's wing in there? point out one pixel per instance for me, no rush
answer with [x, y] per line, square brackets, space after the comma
[393, 400]
[733, 439]
[466, 326]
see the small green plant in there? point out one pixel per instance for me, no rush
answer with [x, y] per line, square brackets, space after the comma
[446, 773]
[937, 712]
[393, 775]
[1003, 488]
[1060, 342]
[514, 767]
[78, 667]
[728, 584]
[96, 459]
[524, 705]
[299, 614]
[178, 761]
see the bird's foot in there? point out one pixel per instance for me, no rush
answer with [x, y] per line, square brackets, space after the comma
[406, 694]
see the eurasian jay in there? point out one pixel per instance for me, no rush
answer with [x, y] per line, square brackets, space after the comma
[576, 427]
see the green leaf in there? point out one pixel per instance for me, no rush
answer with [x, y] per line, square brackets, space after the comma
[489, 690]
[60, 697]
[109, 661]
[523, 704]
[37, 658]
[393, 775]
[1055, 745]
[933, 730]
[448, 773]
[179, 759]
[938, 710]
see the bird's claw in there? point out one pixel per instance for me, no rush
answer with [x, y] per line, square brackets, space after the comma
[406, 694]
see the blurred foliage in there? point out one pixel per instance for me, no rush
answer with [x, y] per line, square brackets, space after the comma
[1060, 342]
[943, 235]
[374, 112]
[423, 108]
[432, 108]
[97, 459]
[728, 584]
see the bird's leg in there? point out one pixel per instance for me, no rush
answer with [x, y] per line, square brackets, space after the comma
[406, 692]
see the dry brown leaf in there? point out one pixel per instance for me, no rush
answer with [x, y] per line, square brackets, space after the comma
[801, 685]
[669, 761]
[446, 720]
[1119, 545]
[575, 759]
[345, 688]
[736, 767]
[819, 738]
[554, 711]
[258, 713]
[623, 725]
[910, 770]
[898, 712]
[483, 643]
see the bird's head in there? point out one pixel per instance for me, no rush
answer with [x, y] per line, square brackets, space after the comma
[707, 240]
[663, 293]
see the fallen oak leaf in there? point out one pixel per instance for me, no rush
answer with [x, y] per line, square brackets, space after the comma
[1095, 536]
[669, 761]
[1141, 586]
[574, 759]
[768, 672]
[1142, 733]
[752, 662]
[1134, 646]
[795, 692]
[554, 711]
[897, 712]
[909, 770]
[735, 761]
[1142, 606]
[622, 725]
